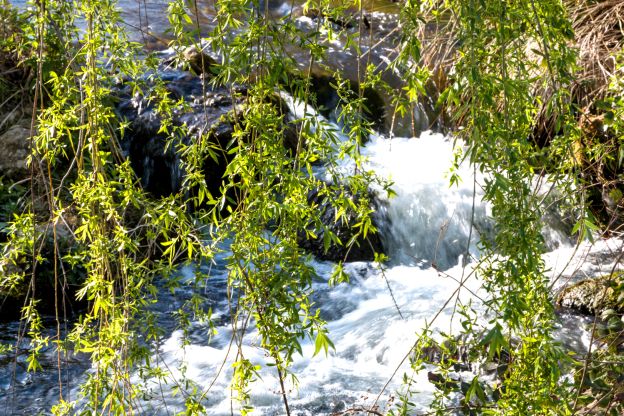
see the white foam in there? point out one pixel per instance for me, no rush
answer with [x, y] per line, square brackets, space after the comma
[428, 221]
[371, 341]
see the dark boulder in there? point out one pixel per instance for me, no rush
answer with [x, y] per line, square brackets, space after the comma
[154, 155]
[204, 112]
[363, 249]
[326, 99]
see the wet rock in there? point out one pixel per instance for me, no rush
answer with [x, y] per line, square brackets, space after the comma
[381, 34]
[326, 100]
[199, 61]
[329, 102]
[345, 21]
[154, 156]
[207, 113]
[592, 296]
[15, 145]
[364, 249]
[447, 382]
[450, 349]
[193, 59]
[293, 141]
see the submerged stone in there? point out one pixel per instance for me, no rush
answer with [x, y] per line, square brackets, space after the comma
[363, 249]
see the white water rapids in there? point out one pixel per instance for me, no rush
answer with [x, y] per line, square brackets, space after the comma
[427, 222]
[370, 336]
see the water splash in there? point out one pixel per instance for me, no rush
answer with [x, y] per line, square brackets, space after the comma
[429, 222]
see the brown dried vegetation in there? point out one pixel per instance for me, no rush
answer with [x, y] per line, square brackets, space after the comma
[598, 27]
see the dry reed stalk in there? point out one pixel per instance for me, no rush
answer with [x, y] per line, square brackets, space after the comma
[599, 37]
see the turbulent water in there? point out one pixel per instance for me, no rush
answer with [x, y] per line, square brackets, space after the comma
[427, 222]
[372, 337]
[430, 230]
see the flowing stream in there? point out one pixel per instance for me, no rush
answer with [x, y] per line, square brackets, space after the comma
[427, 222]
[430, 230]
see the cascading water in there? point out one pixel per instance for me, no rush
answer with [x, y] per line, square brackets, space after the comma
[371, 336]
[427, 222]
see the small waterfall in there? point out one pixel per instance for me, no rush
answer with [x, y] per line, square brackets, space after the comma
[429, 221]
[426, 222]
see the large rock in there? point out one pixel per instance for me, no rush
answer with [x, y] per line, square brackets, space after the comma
[364, 249]
[324, 98]
[194, 60]
[593, 296]
[385, 33]
[155, 157]
[199, 61]
[15, 148]
[207, 111]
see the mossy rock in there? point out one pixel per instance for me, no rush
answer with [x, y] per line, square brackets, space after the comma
[593, 296]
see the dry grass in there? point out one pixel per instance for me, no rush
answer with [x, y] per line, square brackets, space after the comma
[438, 34]
[599, 39]
[599, 36]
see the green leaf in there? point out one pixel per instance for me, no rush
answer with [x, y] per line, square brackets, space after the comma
[322, 342]
[475, 390]
[494, 341]
[33, 362]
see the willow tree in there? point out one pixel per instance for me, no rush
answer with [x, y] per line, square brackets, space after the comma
[513, 91]
[511, 59]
